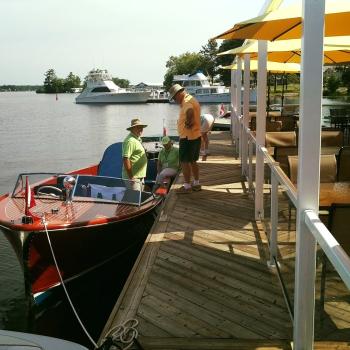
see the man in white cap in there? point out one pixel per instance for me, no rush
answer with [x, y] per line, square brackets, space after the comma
[207, 122]
[134, 155]
[168, 161]
[188, 127]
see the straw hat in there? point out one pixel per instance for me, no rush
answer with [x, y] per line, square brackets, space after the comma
[174, 90]
[165, 140]
[136, 122]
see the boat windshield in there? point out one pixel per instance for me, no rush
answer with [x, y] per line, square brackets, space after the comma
[40, 183]
[86, 188]
[110, 189]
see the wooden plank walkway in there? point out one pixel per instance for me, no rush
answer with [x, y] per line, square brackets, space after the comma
[201, 280]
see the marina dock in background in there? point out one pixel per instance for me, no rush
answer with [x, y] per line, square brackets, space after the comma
[158, 100]
[202, 279]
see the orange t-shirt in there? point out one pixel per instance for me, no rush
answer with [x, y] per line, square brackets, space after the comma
[195, 132]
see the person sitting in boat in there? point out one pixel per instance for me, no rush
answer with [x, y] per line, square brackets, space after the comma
[134, 155]
[168, 161]
[207, 122]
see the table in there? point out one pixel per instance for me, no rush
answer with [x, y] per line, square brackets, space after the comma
[334, 192]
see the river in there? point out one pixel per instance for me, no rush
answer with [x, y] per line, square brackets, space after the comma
[41, 133]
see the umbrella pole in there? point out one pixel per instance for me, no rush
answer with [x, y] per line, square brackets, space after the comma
[282, 94]
[268, 93]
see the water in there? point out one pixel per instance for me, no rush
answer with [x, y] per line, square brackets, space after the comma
[327, 103]
[40, 133]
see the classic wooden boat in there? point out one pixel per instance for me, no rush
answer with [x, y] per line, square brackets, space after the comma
[84, 218]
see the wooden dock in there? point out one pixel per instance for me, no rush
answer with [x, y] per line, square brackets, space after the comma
[202, 280]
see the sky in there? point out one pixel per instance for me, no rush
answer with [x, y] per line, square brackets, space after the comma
[132, 39]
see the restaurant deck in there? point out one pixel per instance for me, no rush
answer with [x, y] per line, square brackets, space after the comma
[202, 280]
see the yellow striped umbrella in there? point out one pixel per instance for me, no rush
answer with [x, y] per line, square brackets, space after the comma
[286, 23]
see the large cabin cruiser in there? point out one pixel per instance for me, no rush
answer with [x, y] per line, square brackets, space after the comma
[198, 85]
[100, 88]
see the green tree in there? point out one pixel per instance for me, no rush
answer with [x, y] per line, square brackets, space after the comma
[50, 83]
[58, 85]
[72, 81]
[345, 77]
[332, 85]
[225, 60]
[209, 53]
[187, 63]
[123, 83]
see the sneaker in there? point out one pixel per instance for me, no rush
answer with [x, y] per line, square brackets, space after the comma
[196, 188]
[183, 190]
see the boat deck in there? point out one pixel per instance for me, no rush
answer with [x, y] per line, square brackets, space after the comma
[202, 280]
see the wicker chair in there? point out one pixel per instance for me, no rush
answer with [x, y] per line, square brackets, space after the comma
[280, 139]
[281, 154]
[328, 168]
[332, 138]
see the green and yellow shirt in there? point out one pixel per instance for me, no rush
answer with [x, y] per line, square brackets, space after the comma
[134, 151]
[169, 158]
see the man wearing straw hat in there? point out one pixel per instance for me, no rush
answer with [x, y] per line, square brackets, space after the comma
[188, 126]
[134, 155]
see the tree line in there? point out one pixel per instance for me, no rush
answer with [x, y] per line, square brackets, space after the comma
[11, 87]
[206, 60]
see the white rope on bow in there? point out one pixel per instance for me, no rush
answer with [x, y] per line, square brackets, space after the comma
[64, 286]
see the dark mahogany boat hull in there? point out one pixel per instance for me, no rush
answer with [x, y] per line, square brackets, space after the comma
[77, 250]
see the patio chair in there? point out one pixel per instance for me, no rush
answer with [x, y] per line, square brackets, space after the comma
[343, 173]
[338, 225]
[332, 138]
[328, 173]
[280, 139]
[328, 168]
[281, 154]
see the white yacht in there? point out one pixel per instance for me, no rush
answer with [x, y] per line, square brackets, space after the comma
[198, 85]
[100, 88]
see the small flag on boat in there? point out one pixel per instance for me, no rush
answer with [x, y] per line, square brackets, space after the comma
[222, 110]
[164, 128]
[29, 198]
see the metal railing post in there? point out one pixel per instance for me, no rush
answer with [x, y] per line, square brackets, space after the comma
[250, 167]
[260, 130]
[274, 218]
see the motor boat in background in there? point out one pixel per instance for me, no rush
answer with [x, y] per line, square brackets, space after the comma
[84, 218]
[198, 86]
[100, 88]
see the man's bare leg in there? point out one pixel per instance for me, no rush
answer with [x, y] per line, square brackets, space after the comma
[186, 170]
[195, 170]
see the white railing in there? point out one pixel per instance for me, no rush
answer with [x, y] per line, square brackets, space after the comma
[279, 179]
